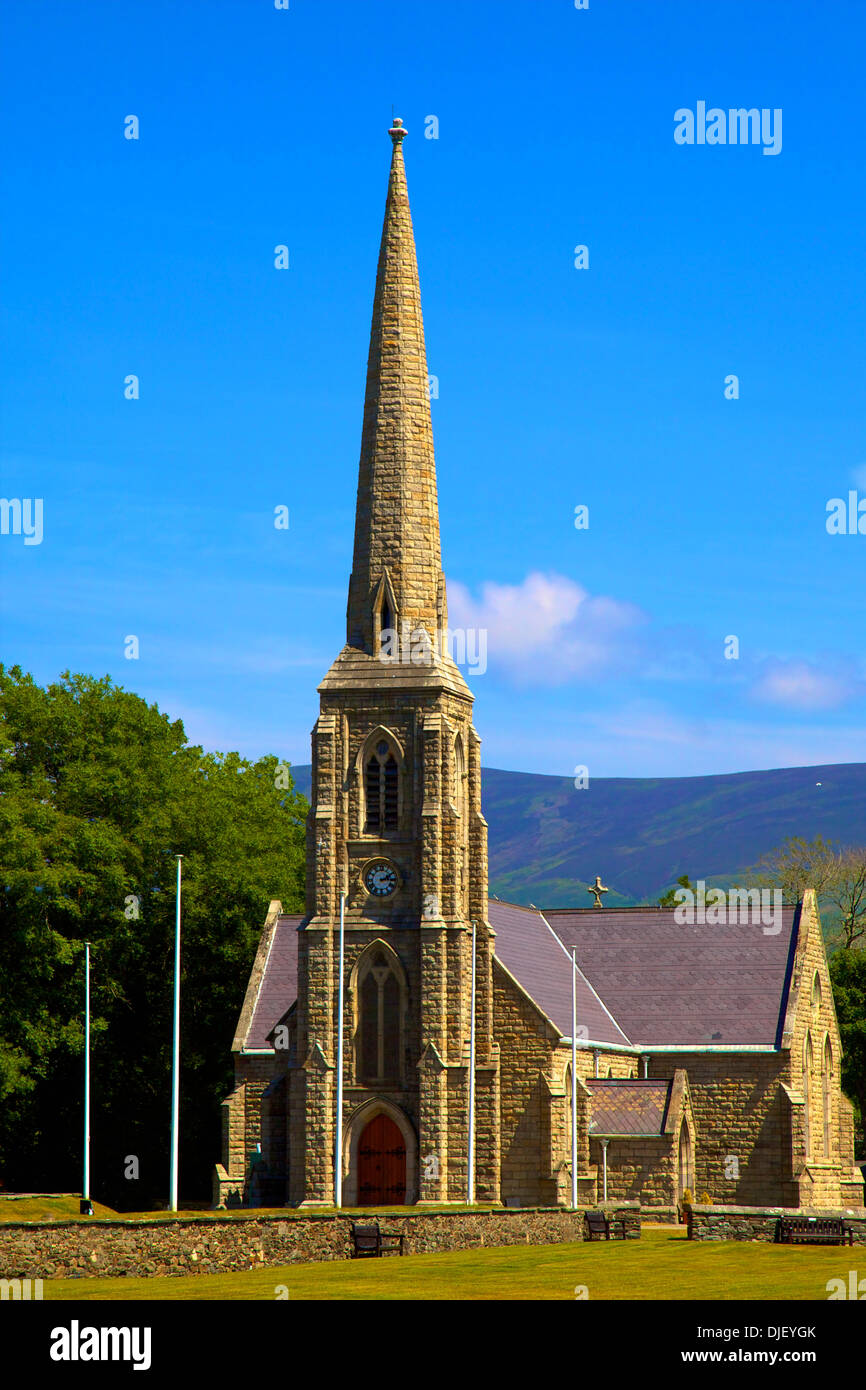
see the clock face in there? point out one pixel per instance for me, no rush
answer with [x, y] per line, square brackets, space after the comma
[380, 879]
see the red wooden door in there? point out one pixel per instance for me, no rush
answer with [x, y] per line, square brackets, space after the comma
[381, 1164]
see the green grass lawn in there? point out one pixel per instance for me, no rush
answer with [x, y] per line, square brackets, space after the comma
[663, 1264]
[60, 1208]
[48, 1208]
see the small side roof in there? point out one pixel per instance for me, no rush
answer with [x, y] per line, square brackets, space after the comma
[273, 985]
[628, 1107]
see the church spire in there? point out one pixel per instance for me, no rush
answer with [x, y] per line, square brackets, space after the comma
[397, 568]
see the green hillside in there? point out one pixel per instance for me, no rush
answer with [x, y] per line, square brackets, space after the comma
[548, 840]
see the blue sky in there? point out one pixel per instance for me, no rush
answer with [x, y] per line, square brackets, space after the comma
[557, 386]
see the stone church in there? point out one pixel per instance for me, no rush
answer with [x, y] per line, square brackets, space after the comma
[707, 1057]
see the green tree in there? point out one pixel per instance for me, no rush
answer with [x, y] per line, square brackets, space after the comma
[847, 893]
[98, 792]
[848, 974]
[798, 864]
[670, 899]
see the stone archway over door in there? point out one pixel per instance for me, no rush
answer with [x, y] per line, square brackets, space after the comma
[381, 1164]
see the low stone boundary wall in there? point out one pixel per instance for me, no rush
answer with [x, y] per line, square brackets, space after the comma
[660, 1216]
[211, 1245]
[761, 1223]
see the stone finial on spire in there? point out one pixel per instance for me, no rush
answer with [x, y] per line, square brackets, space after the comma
[397, 133]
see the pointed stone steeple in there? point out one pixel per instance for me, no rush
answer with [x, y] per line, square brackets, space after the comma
[397, 579]
[396, 838]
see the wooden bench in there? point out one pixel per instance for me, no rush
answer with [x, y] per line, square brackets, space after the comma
[600, 1225]
[369, 1242]
[814, 1230]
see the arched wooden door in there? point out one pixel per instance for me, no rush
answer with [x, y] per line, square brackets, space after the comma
[381, 1164]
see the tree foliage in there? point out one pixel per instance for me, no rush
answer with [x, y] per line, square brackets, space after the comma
[98, 793]
[838, 875]
[798, 864]
[847, 893]
[848, 974]
[670, 899]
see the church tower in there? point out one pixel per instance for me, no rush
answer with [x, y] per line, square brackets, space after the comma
[395, 825]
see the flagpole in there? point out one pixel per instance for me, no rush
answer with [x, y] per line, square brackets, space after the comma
[338, 1125]
[470, 1186]
[175, 1049]
[85, 1195]
[574, 1078]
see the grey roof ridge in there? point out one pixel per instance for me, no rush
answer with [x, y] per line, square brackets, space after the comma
[587, 982]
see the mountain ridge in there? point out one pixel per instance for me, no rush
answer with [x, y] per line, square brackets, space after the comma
[548, 840]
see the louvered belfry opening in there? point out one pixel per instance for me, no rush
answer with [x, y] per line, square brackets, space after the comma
[373, 778]
[390, 797]
[382, 790]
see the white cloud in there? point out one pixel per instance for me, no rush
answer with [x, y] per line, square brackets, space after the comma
[548, 629]
[801, 685]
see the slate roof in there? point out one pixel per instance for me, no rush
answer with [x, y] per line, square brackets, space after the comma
[628, 1107]
[668, 984]
[279, 986]
[539, 962]
[643, 979]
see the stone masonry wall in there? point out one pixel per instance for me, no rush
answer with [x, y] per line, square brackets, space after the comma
[107, 1249]
[241, 1122]
[639, 1168]
[740, 1114]
[526, 1053]
[822, 1151]
[751, 1223]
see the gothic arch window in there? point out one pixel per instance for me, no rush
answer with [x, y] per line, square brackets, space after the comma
[384, 617]
[381, 768]
[380, 995]
[807, 1092]
[386, 622]
[816, 992]
[827, 1095]
[458, 800]
[685, 1176]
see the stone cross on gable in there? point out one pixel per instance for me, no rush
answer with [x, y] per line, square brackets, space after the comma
[597, 888]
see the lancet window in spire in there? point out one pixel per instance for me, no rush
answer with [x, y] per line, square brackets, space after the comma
[382, 790]
[386, 621]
